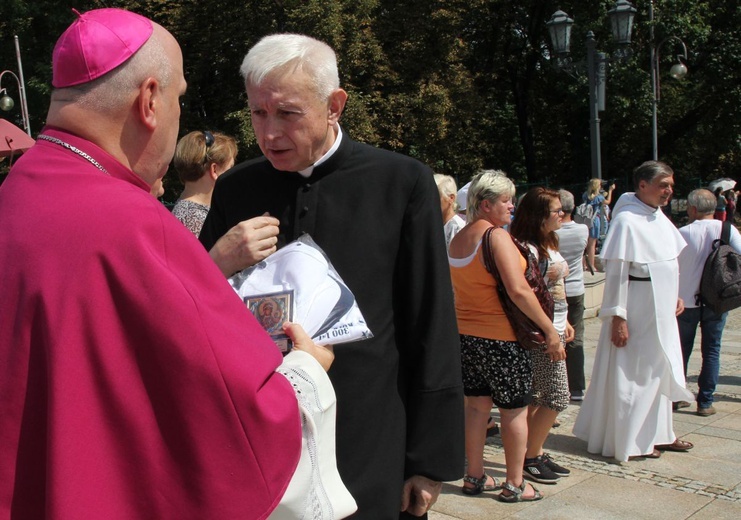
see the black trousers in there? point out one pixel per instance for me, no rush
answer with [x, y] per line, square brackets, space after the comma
[575, 349]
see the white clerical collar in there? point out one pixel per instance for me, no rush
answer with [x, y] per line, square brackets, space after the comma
[308, 171]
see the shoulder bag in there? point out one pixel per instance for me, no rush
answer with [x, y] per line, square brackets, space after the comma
[528, 334]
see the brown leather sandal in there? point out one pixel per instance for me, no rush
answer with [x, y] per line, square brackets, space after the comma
[653, 455]
[677, 445]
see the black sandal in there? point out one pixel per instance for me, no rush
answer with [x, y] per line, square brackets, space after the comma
[479, 485]
[492, 428]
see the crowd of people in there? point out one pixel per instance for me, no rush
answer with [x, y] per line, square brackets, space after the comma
[725, 204]
[650, 312]
[150, 389]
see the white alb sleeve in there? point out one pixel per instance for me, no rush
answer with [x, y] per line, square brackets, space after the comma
[316, 491]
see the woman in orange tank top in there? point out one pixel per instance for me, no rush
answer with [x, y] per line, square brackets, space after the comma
[496, 370]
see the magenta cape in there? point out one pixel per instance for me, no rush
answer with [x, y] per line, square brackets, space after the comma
[133, 381]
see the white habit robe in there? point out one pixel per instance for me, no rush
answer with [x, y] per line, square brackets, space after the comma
[628, 405]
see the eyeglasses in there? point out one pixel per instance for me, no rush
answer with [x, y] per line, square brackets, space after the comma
[209, 139]
[559, 211]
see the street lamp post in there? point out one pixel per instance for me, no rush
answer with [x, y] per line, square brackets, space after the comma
[596, 75]
[6, 102]
[678, 71]
[559, 26]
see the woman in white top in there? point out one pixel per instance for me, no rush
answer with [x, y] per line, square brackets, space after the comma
[538, 216]
[452, 223]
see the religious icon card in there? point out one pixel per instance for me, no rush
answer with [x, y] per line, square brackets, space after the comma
[272, 311]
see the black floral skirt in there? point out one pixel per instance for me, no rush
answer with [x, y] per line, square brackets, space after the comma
[500, 369]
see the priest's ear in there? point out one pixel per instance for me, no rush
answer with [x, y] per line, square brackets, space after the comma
[336, 105]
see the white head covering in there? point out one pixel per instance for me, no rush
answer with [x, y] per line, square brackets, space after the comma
[640, 233]
[462, 196]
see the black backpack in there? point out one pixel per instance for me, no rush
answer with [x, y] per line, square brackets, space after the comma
[720, 286]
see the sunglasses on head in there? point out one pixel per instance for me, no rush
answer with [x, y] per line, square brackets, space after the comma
[209, 139]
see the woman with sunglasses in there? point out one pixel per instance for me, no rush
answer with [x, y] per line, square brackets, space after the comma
[200, 157]
[539, 214]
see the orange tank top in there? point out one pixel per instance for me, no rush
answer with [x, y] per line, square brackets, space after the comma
[477, 306]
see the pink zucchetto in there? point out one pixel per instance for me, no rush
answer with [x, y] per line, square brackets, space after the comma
[96, 43]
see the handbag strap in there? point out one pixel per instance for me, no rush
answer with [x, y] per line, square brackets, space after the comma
[489, 262]
[486, 251]
[542, 262]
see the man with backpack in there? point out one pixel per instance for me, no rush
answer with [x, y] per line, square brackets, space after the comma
[700, 234]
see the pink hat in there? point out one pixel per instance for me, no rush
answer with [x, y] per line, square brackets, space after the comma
[96, 43]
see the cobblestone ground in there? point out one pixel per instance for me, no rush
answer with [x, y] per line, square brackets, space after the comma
[592, 464]
[730, 368]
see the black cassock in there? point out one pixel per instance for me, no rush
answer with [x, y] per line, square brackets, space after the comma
[399, 395]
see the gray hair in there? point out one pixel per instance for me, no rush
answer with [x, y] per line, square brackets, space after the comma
[446, 186]
[567, 200]
[702, 200]
[104, 94]
[487, 185]
[292, 52]
[650, 170]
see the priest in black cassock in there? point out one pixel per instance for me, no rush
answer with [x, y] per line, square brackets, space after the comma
[377, 216]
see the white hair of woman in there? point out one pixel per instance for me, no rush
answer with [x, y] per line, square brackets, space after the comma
[487, 185]
[447, 188]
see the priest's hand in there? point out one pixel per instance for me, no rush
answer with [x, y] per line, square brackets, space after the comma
[419, 494]
[249, 242]
[301, 341]
[619, 331]
[680, 307]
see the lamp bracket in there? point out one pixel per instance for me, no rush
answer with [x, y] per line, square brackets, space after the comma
[575, 69]
[3, 73]
[668, 38]
[578, 69]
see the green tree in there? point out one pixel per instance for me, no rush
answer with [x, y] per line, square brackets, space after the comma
[459, 84]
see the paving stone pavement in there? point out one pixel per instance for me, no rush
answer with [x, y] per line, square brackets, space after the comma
[704, 483]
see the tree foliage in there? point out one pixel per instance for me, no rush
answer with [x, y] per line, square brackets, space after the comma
[459, 84]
